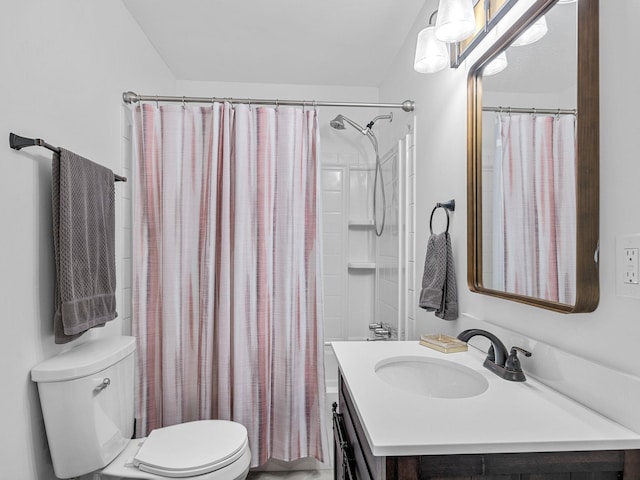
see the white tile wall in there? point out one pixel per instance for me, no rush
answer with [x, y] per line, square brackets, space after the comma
[350, 158]
[360, 303]
[360, 188]
[388, 250]
[332, 201]
[350, 293]
[333, 193]
[362, 245]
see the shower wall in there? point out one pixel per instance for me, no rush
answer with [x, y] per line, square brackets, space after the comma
[348, 246]
[349, 249]
[365, 276]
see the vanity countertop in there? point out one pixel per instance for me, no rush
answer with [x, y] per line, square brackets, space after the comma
[508, 417]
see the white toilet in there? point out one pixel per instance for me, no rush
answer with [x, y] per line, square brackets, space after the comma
[87, 402]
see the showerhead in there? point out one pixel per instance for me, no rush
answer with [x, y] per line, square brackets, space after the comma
[338, 123]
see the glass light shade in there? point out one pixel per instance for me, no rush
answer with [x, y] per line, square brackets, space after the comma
[431, 54]
[496, 65]
[532, 34]
[456, 20]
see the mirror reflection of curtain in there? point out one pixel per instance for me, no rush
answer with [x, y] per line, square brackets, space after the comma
[227, 273]
[535, 206]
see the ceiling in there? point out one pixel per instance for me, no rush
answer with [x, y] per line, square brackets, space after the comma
[307, 42]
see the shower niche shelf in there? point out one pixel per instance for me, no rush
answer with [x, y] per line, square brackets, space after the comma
[360, 223]
[362, 265]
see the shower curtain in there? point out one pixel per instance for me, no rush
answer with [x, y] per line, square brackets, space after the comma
[535, 206]
[227, 294]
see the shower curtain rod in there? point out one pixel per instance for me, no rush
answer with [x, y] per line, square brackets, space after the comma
[533, 111]
[132, 97]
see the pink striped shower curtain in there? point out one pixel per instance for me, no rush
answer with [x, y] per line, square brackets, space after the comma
[535, 206]
[227, 305]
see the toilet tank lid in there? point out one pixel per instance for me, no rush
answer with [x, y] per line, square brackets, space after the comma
[84, 359]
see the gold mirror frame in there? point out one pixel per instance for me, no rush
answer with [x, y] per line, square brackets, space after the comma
[587, 161]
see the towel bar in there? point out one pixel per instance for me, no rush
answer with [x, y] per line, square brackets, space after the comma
[18, 143]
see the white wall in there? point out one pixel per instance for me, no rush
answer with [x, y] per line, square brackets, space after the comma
[64, 67]
[607, 336]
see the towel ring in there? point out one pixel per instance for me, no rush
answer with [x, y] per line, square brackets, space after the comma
[448, 206]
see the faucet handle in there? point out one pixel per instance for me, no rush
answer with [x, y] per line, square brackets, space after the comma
[513, 362]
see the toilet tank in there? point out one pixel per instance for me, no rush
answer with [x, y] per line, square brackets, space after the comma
[86, 395]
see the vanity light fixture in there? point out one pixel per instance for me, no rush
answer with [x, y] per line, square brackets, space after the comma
[496, 65]
[532, 34]
[431, 54]
[456, 20]
[460, 26]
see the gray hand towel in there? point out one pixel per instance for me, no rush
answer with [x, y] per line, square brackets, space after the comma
[83, 202]
[439, 291]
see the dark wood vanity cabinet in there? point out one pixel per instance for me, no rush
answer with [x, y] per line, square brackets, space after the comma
[355, 461]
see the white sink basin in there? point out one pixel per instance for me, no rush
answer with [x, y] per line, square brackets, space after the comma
[431, 377]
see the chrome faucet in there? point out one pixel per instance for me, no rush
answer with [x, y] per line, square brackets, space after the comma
[503, 365]
[381, 331]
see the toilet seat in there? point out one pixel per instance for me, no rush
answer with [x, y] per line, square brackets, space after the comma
[123, 465]
[192, 448]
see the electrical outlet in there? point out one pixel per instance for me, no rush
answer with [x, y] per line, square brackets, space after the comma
[628, 265]
[631, 265]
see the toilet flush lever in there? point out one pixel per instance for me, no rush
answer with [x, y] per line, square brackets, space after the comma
[105, 383]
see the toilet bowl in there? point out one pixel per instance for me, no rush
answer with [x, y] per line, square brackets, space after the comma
[86, 395]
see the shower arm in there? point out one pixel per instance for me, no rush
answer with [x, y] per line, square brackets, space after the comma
[388, 116]
[362, 130]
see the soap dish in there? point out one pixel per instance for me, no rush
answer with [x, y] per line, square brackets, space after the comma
[443, 343]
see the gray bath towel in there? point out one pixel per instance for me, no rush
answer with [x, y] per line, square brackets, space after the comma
[83, 202]
[439, 292]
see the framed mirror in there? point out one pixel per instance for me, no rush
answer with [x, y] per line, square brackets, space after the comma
[533, 160]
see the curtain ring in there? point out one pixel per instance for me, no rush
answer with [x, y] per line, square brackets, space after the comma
[183, 103]
[304, 104]
[315, 106]
[212, 103]
[277, 104]
[533, 111]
